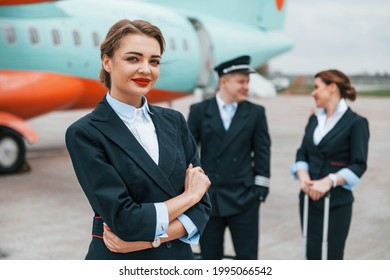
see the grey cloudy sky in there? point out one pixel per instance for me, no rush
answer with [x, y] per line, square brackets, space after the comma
[350, 35]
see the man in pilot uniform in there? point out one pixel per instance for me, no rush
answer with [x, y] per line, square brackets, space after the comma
[235, 153]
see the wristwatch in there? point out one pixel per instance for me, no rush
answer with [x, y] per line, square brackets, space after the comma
[333, 178]
[156, 243]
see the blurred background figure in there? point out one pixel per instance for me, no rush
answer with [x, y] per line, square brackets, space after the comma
[235, 153]
[331, 159]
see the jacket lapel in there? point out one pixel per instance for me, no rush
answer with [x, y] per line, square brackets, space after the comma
[167, 139]
[107, 122]
[310, 130]
[236, 125]
[340, 125]
[215, 121]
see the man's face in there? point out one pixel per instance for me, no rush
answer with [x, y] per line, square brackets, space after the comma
[234, 87]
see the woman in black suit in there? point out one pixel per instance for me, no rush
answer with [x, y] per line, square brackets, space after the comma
[331, 159]
[137, 163]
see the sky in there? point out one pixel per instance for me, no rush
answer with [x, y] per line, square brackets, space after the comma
[350, 35]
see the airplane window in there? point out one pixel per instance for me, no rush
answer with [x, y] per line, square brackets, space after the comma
[172, 43]
[9, 34]
[76, 38]
[96, 39]
[185, 44]
[56, 36]
[34, 37]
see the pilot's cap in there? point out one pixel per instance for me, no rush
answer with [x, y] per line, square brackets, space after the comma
[236, 65]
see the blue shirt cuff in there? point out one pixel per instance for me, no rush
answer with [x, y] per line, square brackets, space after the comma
[162, 219]
[299, 165]
[193, 234]
[350, 178]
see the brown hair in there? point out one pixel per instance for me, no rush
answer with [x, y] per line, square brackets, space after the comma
[341, 80]
[120, 29]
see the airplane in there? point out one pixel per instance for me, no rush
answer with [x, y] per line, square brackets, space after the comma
[50, 56]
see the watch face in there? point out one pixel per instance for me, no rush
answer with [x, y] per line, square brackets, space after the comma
[156, 243]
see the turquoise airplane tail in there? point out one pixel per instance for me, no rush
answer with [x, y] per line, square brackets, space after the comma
[264, 14]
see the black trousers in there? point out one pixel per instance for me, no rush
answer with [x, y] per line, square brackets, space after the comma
[244, 229]
[339, 223]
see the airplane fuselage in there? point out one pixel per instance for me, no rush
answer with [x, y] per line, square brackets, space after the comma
[62, 40]
[50, 55]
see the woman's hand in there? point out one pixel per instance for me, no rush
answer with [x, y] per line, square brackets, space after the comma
[305, 181]
[196, 183]
[117, 245]
[319, 188]
[305, 186]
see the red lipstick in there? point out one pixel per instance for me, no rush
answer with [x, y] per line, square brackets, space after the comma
[141, 81]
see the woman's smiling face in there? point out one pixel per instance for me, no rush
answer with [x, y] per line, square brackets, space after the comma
[134, 67]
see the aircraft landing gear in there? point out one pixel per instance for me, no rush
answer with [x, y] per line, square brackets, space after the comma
[12, 151]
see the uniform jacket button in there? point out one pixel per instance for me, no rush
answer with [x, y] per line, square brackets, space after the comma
[168, 245]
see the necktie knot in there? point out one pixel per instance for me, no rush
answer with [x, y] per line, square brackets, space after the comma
[229, 109]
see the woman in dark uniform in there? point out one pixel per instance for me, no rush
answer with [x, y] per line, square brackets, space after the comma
[138, 163]
[332, 158]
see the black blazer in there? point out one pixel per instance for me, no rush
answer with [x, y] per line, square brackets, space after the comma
[232, 158]
[345, 146]
[121, 181]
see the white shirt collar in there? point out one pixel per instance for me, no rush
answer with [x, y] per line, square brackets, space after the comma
[326, 124]
[221, 103]
[341, 108]
[127, 111]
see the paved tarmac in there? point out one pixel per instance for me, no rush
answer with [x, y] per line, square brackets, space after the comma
[44, 215]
